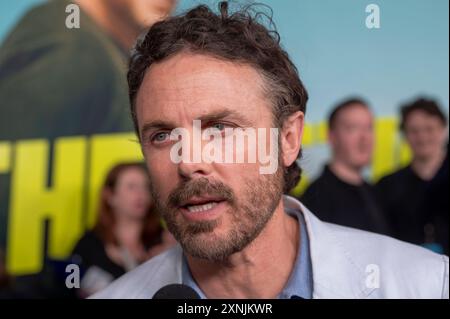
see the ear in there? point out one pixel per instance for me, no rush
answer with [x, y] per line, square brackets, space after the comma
[331, 138]
[291, 137]
[108, 196]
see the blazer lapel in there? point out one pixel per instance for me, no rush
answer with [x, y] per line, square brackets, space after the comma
[336, 273]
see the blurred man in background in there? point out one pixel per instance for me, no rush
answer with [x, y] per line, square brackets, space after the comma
[416, 197]
[341, 195]
[57, 81]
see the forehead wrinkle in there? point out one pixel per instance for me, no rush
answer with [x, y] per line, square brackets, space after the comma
[184, 68]
[193, 87]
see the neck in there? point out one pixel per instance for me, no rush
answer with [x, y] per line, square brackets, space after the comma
[128, 231]
[119, 28]
[347, 173]
[244, 274]
[427, 167]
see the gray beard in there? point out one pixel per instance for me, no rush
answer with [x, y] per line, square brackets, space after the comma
[249, 216]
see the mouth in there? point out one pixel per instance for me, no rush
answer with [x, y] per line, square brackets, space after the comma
[203, 208]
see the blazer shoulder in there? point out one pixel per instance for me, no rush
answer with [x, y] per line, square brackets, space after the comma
[405, 270]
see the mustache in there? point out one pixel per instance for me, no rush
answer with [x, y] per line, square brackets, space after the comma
[200, 187]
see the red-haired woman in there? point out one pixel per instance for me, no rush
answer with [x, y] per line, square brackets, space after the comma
[128, 232]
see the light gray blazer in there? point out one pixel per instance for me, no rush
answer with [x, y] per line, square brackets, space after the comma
[346, 263]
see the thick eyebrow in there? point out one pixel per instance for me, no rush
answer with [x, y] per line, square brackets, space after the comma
[154, 125]
[225, 114]
[207, 118]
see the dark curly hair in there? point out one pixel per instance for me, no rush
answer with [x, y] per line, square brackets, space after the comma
[237, 37]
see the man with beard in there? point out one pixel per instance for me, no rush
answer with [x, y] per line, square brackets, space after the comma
[239, 236]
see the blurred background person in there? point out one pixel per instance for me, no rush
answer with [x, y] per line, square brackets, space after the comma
[74, 79]
[416, 197]
[437, 204]
[128, 231]
[341, 195]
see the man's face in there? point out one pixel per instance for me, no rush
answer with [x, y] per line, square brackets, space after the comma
[352, 136]
[425, 134]
[215, 209]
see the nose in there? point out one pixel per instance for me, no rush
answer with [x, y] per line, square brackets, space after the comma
[192, 164]
[191, 170]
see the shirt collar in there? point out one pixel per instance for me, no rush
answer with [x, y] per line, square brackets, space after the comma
[300, 283]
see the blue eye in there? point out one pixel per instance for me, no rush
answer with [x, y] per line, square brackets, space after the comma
[160, 137]
[219, 126]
